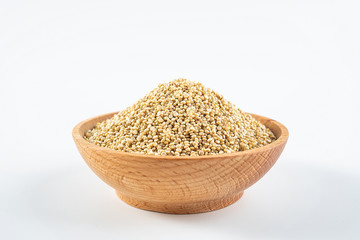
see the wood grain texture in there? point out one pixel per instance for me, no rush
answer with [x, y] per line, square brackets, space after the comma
[180, 185]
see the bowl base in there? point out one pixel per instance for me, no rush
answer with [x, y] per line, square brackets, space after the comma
[181, 208]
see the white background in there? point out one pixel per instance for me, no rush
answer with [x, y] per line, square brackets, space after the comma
[294, 61]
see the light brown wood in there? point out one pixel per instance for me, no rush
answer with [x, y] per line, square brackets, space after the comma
[183, 184]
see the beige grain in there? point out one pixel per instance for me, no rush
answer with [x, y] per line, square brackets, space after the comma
[181, 118]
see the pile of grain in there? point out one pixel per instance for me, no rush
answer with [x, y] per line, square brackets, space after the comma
[181, 118]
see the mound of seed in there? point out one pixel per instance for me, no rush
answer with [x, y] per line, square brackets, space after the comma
[181, 118]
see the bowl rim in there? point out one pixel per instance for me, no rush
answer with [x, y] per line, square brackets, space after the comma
[79, 138]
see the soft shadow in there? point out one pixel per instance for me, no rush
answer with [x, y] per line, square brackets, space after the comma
[74, 196]
[293, 201]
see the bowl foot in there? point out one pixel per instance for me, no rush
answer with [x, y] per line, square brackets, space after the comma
[181, 208]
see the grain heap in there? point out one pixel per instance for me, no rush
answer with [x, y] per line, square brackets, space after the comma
[181, 118]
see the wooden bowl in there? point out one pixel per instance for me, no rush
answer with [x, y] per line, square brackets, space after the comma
[173, 184]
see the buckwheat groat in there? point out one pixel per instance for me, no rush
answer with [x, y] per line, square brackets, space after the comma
[181, 118]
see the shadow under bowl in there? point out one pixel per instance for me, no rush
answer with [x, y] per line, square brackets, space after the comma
[179, 184]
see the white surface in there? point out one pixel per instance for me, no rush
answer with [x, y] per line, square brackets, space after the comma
[294, 61]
